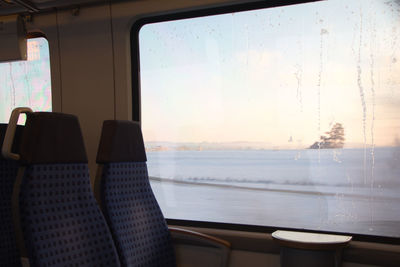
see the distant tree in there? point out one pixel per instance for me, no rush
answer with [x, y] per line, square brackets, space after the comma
[334, 139]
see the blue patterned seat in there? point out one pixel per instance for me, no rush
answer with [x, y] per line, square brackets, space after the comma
[135, 219]
[123, 190]
[60, 220]
[9, 254]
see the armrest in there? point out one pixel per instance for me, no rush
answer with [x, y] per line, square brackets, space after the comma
[194, 249]
[196, 238]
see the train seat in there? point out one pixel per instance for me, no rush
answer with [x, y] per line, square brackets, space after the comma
[60, 221]
[138, 226]
[9, 254]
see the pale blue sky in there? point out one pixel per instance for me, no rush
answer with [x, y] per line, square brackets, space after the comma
[274, 75]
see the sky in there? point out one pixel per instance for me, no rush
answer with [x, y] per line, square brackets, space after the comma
[280, 76]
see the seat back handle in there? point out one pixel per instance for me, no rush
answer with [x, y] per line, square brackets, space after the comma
[10, 133]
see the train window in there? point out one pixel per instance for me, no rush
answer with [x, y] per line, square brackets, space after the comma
[286, 116]
[26, 83]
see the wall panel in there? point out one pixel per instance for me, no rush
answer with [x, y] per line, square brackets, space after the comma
[87, 71]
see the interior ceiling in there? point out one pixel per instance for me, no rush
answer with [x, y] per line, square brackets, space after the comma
[8, 7]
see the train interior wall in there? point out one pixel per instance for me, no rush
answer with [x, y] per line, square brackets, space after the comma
[91, 78]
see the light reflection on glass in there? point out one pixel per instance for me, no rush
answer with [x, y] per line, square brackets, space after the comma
[26, 83]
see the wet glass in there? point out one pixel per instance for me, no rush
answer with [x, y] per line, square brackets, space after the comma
[26, 83]
[284, 117]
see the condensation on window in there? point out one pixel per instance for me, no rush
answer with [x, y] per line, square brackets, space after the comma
[26, 83]
[285, 116]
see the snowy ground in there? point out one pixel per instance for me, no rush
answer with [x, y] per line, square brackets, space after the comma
[309, 207]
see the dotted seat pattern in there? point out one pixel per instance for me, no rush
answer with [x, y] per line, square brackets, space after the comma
[136, 221]
[60, 220]
[9, 255]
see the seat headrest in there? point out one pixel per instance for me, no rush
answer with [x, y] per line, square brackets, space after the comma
[121, 141]
[17, 138]
[51, 137]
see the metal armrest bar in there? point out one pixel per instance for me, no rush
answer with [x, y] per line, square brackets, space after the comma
[197, 235]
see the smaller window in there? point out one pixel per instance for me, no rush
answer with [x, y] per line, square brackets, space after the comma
[26, 83]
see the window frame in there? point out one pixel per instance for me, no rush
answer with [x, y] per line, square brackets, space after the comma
[136, 109]
[32, 35]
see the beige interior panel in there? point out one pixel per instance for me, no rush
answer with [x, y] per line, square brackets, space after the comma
[242, 258]
[87, 71]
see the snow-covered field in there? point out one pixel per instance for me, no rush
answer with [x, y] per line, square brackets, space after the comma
[345, 190]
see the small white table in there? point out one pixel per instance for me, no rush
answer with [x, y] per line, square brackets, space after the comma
[310, 249]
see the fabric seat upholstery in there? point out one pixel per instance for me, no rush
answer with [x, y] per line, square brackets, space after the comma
[123, 190]
[61, 222]
[9, 254]
[129, 205]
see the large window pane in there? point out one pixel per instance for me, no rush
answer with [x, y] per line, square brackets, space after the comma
[26, 83]
[285, 117]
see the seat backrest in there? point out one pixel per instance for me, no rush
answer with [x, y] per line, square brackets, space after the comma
[9, 254]
[60, 220]
[123, 189]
